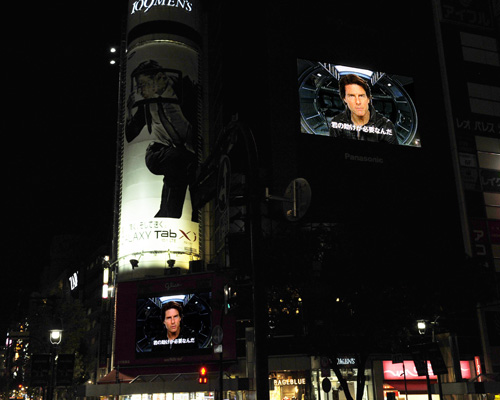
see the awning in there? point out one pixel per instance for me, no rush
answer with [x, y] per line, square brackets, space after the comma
[412, 386]
[111, 378]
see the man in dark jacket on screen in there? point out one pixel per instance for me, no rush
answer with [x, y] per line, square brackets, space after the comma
[360, 121]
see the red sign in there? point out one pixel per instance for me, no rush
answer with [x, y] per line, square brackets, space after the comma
[479, 370]
[396, 372]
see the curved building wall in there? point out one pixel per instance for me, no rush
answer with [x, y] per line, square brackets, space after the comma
[161, 137]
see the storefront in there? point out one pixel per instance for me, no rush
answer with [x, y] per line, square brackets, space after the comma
[288, 385]
[169, 396]
[402, 381]
[165, 387]
[325, 378]
[298, 377]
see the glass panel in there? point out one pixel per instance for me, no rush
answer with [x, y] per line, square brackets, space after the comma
[489, 160]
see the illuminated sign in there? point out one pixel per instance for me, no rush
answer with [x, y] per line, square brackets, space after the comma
[289, 382]
[409, 371]
[181, 18]
[73, 281]
[346, 361]
[479, 370]
[158, 224]
[146, 5]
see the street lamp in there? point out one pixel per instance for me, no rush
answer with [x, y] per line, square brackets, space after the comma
[55, 337]
[421, 356]
[421, 326]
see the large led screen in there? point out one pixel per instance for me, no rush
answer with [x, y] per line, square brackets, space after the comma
[347, 102]
[172, 319]
[179, 324]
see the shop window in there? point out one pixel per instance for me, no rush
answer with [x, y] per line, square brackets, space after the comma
[288, 385]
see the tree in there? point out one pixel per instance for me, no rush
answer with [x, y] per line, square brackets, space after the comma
[362, 287]
[58, 312]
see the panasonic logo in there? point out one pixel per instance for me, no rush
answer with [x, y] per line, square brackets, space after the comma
[369, 159]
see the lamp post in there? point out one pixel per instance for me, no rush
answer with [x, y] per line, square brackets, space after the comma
[422, 327]
[55, 337]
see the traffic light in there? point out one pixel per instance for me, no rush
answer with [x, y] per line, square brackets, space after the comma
[202, 375]
[230, 298]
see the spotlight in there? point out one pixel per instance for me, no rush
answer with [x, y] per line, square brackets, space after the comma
[134, 263]
[171, 263]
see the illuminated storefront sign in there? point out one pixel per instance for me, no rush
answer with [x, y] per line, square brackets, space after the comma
[477, 366]
[346, 361]
[289, 382]
[397, 372]
[73, 281]
[288, 385]
[145, 5]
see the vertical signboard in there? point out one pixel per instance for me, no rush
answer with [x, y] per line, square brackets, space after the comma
[469, 45]
[470, 53]
[158, 224]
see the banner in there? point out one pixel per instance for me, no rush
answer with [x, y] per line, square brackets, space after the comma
[157, 222]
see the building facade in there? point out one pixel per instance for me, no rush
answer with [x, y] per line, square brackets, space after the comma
[287, 231]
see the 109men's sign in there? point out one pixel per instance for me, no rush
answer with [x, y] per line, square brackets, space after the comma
[145, 5]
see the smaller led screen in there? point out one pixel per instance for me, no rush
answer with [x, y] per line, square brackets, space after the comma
[174, 324]
[347, 102]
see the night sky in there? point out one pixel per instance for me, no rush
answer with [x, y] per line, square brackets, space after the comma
[60, 123]
[60, 126]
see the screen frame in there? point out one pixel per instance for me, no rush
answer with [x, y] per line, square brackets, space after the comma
[317, 81]
[126, 313]
[196, 318]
